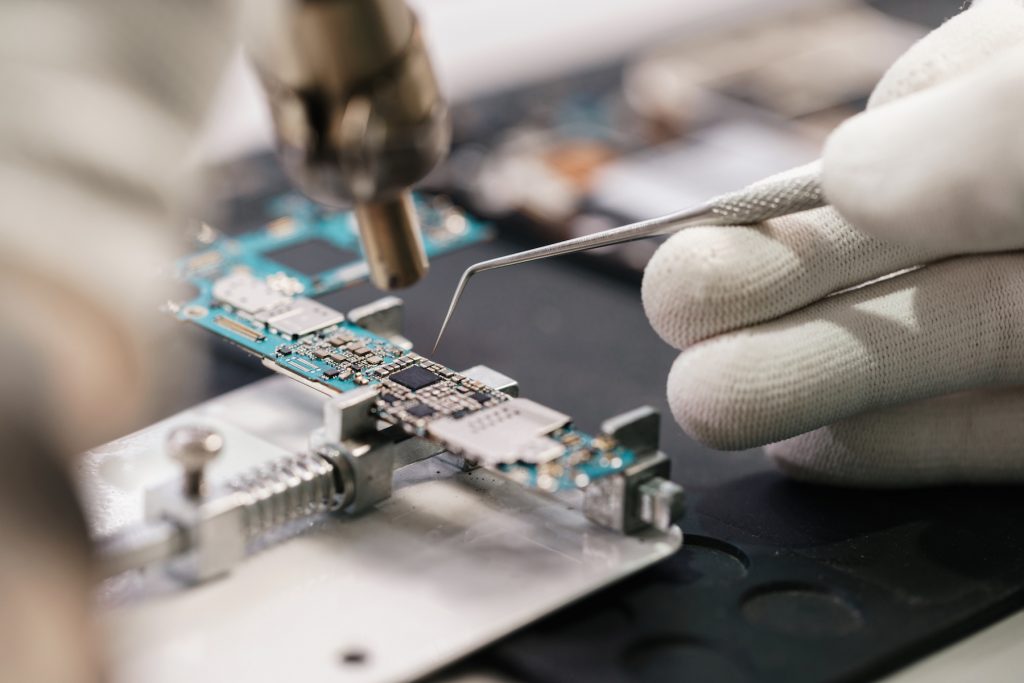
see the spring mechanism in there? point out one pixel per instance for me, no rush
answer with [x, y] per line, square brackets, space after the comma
[285, 490]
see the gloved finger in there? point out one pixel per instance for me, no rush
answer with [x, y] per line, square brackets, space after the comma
[968, 437]
[944, 166]
[951, 326]
[708, 280]
[986, 29]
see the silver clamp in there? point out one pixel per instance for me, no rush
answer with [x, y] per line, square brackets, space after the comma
[640, 495]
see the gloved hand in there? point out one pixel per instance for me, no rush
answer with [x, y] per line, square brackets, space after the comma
[913, 379]
[103, 99]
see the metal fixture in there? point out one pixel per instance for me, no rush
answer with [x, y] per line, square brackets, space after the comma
[193, 446]
[641, 495]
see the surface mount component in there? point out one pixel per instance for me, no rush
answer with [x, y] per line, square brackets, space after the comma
[512, 430]
[415, 378]
[243, 292]
[301, 316]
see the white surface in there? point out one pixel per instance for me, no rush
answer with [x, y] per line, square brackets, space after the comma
[994, 655]
[450, 563]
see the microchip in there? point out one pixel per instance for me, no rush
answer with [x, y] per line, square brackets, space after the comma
[283, 350]
[480, 397]
[415, 378]
[312, 257]
[420, 410]
[334, 372]
[388, 398]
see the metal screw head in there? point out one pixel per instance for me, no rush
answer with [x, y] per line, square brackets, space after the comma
[194, 446]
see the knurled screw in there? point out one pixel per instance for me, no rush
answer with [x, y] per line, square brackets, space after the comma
[194, 446]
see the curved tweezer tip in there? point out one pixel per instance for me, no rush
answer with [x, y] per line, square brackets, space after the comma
[470, 272]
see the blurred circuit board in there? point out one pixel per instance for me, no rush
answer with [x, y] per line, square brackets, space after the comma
[311, 250]
[255, 290]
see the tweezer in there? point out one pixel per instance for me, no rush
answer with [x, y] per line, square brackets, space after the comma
[795, 190]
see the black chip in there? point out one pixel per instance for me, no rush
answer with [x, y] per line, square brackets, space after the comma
[330, 374]
[420, 410]
[284, 350]
[312, 256]
[415, 378]
[388, 398]
[480, 397]
[461, 412]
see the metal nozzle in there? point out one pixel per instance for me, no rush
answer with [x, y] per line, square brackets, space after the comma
[390, 233]
[358, 114]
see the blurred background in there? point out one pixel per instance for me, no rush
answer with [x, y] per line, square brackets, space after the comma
[572, 116]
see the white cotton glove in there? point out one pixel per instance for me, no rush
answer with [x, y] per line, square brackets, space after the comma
[103, 100]
[911, 380]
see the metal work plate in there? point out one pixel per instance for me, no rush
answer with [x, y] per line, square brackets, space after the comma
[452, 562]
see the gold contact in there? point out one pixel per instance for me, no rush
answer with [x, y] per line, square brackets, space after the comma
[238, 328]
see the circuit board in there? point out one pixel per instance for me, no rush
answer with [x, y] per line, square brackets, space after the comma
[248, 294]
[311, 250]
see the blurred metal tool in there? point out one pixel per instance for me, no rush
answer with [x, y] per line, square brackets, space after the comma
[358, 116]
[791, 192]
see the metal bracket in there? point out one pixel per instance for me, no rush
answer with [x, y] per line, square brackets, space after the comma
[494, 379]
[365, 452]
[636, 429]
[214, 529]
[641, 495]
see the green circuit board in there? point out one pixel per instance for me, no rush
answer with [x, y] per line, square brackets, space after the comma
[312, 251]
[251, 291]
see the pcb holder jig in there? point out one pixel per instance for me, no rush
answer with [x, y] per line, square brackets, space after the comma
[199, 530]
